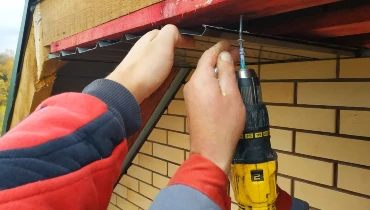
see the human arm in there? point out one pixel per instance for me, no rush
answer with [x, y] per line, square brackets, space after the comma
[216, 116]
[68, 153]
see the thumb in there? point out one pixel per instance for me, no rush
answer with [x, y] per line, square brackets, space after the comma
[226, 74]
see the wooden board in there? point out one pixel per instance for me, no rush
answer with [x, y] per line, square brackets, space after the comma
[38, 72]
[182, 13]
[31, 91]
[63, 18]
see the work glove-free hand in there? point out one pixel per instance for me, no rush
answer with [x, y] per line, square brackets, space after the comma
[215, 110]
[149, 61]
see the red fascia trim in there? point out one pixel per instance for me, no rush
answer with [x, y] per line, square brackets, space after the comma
[168, 11]
[180, 11]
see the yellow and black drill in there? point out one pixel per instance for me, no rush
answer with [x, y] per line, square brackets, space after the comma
[254, 166]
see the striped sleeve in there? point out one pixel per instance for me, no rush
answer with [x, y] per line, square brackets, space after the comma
[68, 153]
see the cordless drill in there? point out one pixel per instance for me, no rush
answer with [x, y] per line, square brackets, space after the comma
[254, 166]
[253, 170]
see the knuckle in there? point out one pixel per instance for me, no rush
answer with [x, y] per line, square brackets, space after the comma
[154, 31]
[210, 53]
[169, 28]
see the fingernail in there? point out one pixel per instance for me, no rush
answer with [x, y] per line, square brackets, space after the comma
[225, 56]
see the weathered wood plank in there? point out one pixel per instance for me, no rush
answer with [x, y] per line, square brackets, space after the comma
[38, 73]
[64, 18]
[182, 13]
[31, 91]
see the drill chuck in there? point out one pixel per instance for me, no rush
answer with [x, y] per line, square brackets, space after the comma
[257, 148]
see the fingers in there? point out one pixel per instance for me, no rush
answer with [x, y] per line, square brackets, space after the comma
[209, 57]
[204, 74]
[235, 54]
[226, 74]
[148, 37]
[144, 40]
[170, 34]
[218, 56]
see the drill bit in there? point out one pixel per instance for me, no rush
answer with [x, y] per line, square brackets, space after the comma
[241, 48]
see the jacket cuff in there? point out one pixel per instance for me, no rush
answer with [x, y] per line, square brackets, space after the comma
[120, 102]
[203, 175]
[284, 200]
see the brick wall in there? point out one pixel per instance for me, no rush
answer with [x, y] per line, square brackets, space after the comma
[320, 128]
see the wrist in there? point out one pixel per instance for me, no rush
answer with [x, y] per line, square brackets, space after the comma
[129, 84]
[221, 163]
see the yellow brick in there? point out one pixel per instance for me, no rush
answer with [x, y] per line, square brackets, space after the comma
[327, 199]
[140, 173]
[278, 92]
[158, 135]
[148, 190]
[120, 190]
[113, 199]
[355, 68]
[168, 153]
[172, 168]
[124, 204]
[187, 154]
[179, 140]
[354, 179]
[171, 122]
[177, 107]
[285, 184]
[234, 206]
[129, 182]
[180, 93]
[304, 168]
[153, 164]
[302, 118]
[355, 123]
[138, 199]
[353, 94]
[343, 149]
[299, 70]
[281, 139]
[136, 160]
[112, 207]
[147, 148]
[160, 181]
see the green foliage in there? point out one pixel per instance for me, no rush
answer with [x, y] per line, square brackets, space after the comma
[6, 67]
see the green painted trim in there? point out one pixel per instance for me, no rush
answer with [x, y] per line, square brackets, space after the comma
[18, 62]
[165, 101]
